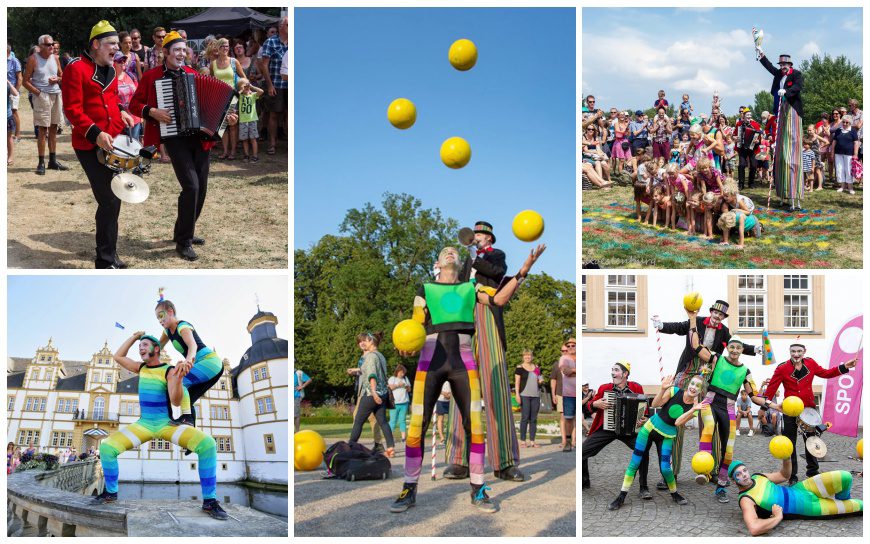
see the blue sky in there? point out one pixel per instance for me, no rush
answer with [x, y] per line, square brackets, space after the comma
[80, 312]
[516, 108]
[631, 53]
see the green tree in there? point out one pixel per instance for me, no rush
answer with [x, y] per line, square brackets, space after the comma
[829, 83]
[763, 102]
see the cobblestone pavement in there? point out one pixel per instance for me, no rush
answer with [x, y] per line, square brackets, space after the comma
[543, 505]
[704, 516]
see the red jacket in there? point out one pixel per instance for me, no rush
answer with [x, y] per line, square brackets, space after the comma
[598, 419]
[800, 384]
[90, 107]
[145, 98]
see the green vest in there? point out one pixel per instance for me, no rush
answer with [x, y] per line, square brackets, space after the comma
[450, 303]
[728, 377]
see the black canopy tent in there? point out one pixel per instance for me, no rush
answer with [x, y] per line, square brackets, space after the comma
[226, 21]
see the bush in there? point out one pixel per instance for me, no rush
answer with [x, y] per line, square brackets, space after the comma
[38, 461]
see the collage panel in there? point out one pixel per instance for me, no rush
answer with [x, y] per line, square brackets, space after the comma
[124, 419]
[749, 387]
[147, 138]
[434, 272]
[734, 142]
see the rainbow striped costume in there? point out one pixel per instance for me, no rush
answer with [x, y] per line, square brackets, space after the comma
[154, 422]
[825, 494]
[206, 370]
[787, 167]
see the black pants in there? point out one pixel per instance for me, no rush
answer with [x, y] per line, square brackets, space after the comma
[789, 430]
[198, 389]
[529, 408]
[368, 406]
[597, 441]
[745, 158]
[190, 162]
[108, 207]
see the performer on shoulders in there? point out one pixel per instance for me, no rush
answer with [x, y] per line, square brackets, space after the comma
[189, 154]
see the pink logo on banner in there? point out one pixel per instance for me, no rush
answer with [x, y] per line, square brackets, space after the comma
[843, 394]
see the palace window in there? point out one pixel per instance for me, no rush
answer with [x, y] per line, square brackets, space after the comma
[67, 405]
[621, 295]
[61, 439]
[265, 405]
[261, 373]
[223, 385]
[48, 374]
[34, 374]
[797, 302]
[160, 445]
[269, 443]
[28, 436]
[129, 408]
[224, 444]
[99, 408]
[96, 377]
[219, 411]
[751, 302]
[10, 405]
[108, 377]
[34, 404]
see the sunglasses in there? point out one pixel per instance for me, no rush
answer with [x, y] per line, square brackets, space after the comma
[571, 345]
[47, 44]
[564, 351]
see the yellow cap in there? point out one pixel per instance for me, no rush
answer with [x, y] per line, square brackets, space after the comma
[625, 364]
[172, 37]
[102, 30]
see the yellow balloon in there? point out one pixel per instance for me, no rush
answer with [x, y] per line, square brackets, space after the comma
[693, 301]
[792, 406]
[463, 55]
[409, 335]
[860, 449]
[402, 113]
[528, 225]
[308, 449]
[780, 447]
[455, 152]
[702, 462]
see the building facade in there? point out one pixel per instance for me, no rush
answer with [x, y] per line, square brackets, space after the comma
[56, 404]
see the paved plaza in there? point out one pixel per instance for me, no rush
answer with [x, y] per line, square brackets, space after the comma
[704, 516]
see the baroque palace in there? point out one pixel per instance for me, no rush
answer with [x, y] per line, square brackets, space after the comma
[56, 404]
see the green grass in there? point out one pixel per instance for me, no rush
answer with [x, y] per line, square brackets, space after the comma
[832, 238]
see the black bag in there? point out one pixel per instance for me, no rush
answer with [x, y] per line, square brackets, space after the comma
[625, 146]
[353, 462]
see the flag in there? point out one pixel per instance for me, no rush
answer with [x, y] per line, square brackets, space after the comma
[119, 325]
[843, 394]
[769, 359]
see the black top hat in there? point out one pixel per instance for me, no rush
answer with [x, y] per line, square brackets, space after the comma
[785, 59]
[483, 227]
[720, 306]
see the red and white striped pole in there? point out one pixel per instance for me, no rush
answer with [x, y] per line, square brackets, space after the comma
[434, 443]
[659, 345]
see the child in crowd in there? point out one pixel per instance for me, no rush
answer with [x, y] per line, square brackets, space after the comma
[661, 199]
[737, 211]
[808, 159]
[711, 183]
[818, 144]
[10, 121]
[643, 184]
[682, 189]
[248, 118]
[686, 105]
[730, 155]
[762, 159]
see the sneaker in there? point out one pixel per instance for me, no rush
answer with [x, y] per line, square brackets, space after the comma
[57, 165]
[379, 448]
[40, 169]
[840, 190]
[456, 472]
[661, 485]
[702, 479]
[737, 432]
[186, 252]
[751, 433]
[721, 495]
[851, 191]
[679, 499]
[105, 497]
[481, 500]
[407, 498]
[618, 502]
[183, 419]
[645, 494]
[213, 509]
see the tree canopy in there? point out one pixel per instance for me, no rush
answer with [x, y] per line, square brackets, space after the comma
[365, 279]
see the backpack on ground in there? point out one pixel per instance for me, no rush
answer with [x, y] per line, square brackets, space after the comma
[353, 462]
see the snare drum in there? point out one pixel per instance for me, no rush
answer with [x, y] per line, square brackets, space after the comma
[124, 155]
[809, 419]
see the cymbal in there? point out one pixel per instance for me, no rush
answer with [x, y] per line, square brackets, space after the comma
[816, 447]
[466, 236]
[130, 188]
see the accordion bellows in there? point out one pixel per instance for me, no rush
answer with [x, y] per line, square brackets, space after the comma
[198, 105]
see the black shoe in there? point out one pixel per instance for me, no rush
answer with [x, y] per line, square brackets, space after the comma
[618, 502]
[661, 485]
[379, 448]
[40, 169]
[213, 509]
[105, 497]
[407, 498]
[567, 448]
[645, 494]
[456, 472]
[793, 480]
[183, 419]
[197, 241]
[481, 500]
[679, 499]
[721, 495]
[586, 483]
[186, 252]
[57, 165]
[119, 264]
[811, 475]
[511, 474]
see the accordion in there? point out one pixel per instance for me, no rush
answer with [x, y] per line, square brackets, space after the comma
[627, 410]
[198, 105]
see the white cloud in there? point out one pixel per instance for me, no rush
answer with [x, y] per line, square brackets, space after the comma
[852, 25]
[809, 49]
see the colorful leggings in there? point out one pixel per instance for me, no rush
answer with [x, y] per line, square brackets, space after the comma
[446, 357]
[502, 446]
[135, 434]
[723, 416]
[682, 381]
[827, 494]
[646, 437]
[205, 372]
